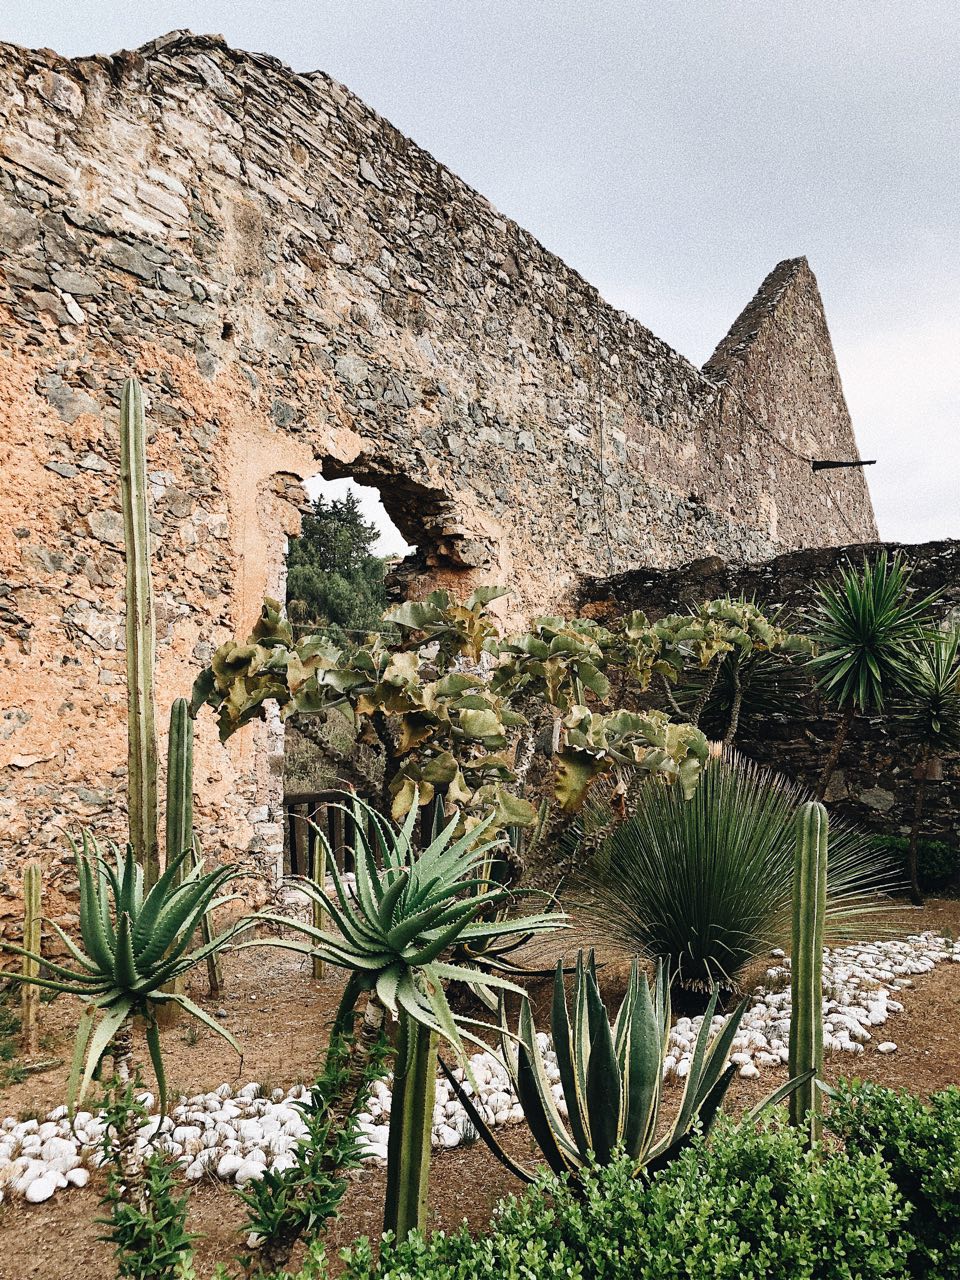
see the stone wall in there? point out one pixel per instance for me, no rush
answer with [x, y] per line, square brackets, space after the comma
[300, 287]
[874, 784]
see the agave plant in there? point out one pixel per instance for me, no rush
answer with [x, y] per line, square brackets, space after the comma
[131, 947]
[409, 909]
[611, 1076]
[864, 629]
[705, 884]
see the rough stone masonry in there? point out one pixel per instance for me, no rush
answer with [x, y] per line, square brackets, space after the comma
[301, 288]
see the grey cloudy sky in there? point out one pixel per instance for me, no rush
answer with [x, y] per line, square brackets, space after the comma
[673, 152]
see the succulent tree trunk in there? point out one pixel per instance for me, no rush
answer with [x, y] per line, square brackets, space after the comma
[703, 697]
[735, 705]
[839, 738]
[806, 1006]
[674, 705]
[140, 635]
[916, 897]
[411, 1121]
[30, 992]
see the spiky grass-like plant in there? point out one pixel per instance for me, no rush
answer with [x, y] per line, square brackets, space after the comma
[927, 717]
[131, 945]
[864, 628]
[705, 885]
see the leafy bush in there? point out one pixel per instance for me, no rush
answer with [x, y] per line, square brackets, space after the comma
[145, 1199]
[706, 885]
[921, 1146]
[745, 1206]
[285, 1205]
[938, 863]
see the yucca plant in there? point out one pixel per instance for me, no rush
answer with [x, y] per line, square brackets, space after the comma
[409, 909]
[864, 628]
[131, 945]
[611, 1076]
[927, 718]
[705, 884]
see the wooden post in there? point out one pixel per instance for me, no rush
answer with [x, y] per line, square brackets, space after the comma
[214, 967]
[318, 873]
[29, 992]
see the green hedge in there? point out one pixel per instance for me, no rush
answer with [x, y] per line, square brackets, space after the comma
[938, 863]
[747, 1205]
[920, 1144]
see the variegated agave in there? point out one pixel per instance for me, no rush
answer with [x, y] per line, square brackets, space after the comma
[131, 947]
[611, 1076]
[408, 908]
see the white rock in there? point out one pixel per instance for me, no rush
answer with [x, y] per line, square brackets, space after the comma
[228, 1165]
[41, 1188]
[249, 1171]
[887, 1047]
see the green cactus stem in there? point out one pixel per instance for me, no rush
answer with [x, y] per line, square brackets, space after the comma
[140, 634]
[30, 992]
[411, 1122]
[806, 1013]
[179, 816]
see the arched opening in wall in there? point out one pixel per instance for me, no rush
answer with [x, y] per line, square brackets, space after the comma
[337, 575]
[371, 536]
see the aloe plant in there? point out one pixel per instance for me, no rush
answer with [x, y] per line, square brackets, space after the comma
[409, 910]
[611, 1076]
[140, 634]
[132, 943]
[806, 982]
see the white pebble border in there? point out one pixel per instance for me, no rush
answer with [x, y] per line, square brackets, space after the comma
[237, 1136]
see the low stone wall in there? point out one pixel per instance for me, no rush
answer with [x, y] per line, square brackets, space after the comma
[874, 784]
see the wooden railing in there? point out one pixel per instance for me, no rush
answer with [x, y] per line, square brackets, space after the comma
[324, 810]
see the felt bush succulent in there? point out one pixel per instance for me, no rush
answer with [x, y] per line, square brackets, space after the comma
[133, 946]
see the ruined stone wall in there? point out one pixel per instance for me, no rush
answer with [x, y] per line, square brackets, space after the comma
[300, 287]
[874, 783]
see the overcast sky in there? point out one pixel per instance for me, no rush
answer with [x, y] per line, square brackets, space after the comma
[673, 152]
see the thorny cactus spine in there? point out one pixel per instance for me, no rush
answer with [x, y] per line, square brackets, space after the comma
[140, 634]
[806, 1014]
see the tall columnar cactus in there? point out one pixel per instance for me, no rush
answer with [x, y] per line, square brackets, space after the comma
[806, 1014]
[140, 635]
[411, 1122]
[30, 993]
[179, 816]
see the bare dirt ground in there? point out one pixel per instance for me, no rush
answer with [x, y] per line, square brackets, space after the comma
[281, 1017]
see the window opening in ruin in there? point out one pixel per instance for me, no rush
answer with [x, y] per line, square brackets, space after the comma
[338, 572]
